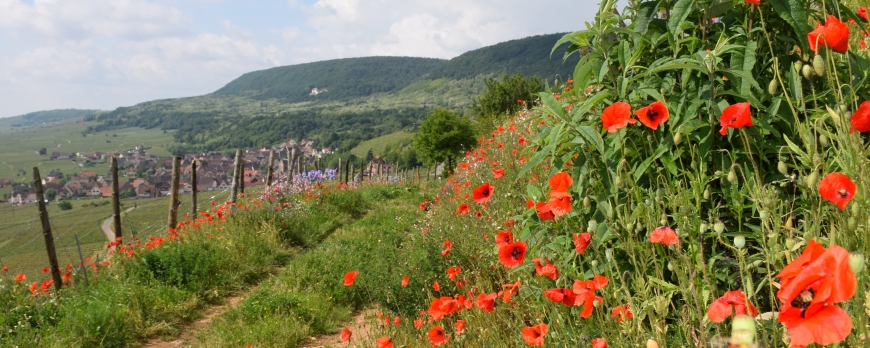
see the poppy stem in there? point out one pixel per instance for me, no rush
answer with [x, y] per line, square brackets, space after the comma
[748, 147]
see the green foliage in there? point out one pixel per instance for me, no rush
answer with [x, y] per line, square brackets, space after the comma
[502, 97]
[65, 205]
[41, 117]
[528, 56]
[443, 136]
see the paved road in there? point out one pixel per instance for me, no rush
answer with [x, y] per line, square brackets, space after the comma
[107, 226]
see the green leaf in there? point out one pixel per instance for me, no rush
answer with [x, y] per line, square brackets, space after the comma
[645, 14]
[579, 39]
[591, 136]
[585, 67]
[792, 11]
[641, 169]
[663, 285]
[804, 157]
[551, 106]
[681, 11]
[744, 60]
[534, 192]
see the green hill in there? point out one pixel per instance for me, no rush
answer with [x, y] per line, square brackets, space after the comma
[41, 117]
[365, 98]
[529, 56]
[343, 78]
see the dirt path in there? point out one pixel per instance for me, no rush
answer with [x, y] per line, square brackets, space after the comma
[188, 331]
[361, 332]
[107, 226]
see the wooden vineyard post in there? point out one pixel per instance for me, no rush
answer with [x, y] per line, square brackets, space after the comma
[291, 163]
[193, 190]
[242, 176]
[352, 178]
[338, 172]
[271, 168]
[172, 220]
[116, 199]
[299, 165]
[347, 166]
[235, 176]
[46, 230]
[427, 173]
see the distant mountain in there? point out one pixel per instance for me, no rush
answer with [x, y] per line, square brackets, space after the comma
[340, 102]
[40, 117]
[530, 56]
[343, 79]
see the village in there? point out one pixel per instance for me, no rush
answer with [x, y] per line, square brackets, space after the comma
[141, 175]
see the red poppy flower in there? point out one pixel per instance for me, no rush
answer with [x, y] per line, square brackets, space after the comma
[436, 336]
[498, 173]
[599, 343]
[560, 182]
[838, 189]
[664, 235]
[486, 302]
[585, 291]
[512, 255]
[436, 286]
[566, 296]
[45, 270]
[424, 205]
[345, 335]
[534, 335]
[753, 2]
[862, 11]
[616, 116]
[621, 313]
[463, 209]
[721, 308]
[522, 141]
[460, 326]
[653, 115]
[545, 212]
[33, 288]
[509, 291]
[547, 269]
[581, 242]
[861, 118]
[504, 238]
[811, 285]
[442, 306]
[405, 281]
[735, 116]
[418, 323]
[834, 34]
[349, 278]
[385, 342]
[560, 203]
[452, 272]
[530, 203]
[482, 193]
[862, 44]
[5, 269]
[20, 278]
[447, 246]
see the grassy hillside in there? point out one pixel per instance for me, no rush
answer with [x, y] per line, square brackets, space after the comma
[377, 145]
[20, 148]
[343, 78]
[530, 56]
[41, 117]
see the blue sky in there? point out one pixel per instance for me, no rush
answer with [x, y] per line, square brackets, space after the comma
[103, 54]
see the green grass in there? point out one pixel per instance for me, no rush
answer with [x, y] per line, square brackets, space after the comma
[18, 149]
[380, 143]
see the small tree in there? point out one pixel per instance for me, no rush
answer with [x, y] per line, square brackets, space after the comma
[42, 151]
[65, 205]
[443, 136]
[501, 98]
[50, 194]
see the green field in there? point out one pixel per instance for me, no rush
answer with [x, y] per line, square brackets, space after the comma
[378, 144]
[19, 149]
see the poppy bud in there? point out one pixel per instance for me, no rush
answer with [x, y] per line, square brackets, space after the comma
[813, 179]
[732, 176]
[670, 266]
[819, 65]
[594, 263]
[853, 223]
[743, 331]
[586, 202]
[719, 227]
[856, 209]
[763, 215]
[608, 253]
[823, 140]
[593, 226]
[817, 160]
[651, 343]
[856, 262]
[739, 242]
[808, 72]
[703, 227]
[782, 168]
[619, 182]
[773, 87]
[629, 227]
[843, 108]
[798, 66]
[678, 138]
[707, 193]
[789, 243]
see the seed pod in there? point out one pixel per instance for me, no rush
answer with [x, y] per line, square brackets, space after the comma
[707, 193]
[808, 72]
[782, 168]
[817, 160]
[798, 66]
[856, 262]
[608, 253]
[732, 176]
[629, 226]
[670, 266]
[764, 214]
[619, 182]
[593, 226]
[823, 140]
[739, 242]
[853, 223]
[813, 179]
[703, 227]
[678, 138]
[773, 87]
[843, 108]
[586, 202]
[719, 227]
[743, 331]
[819, 65]
[594, 263]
